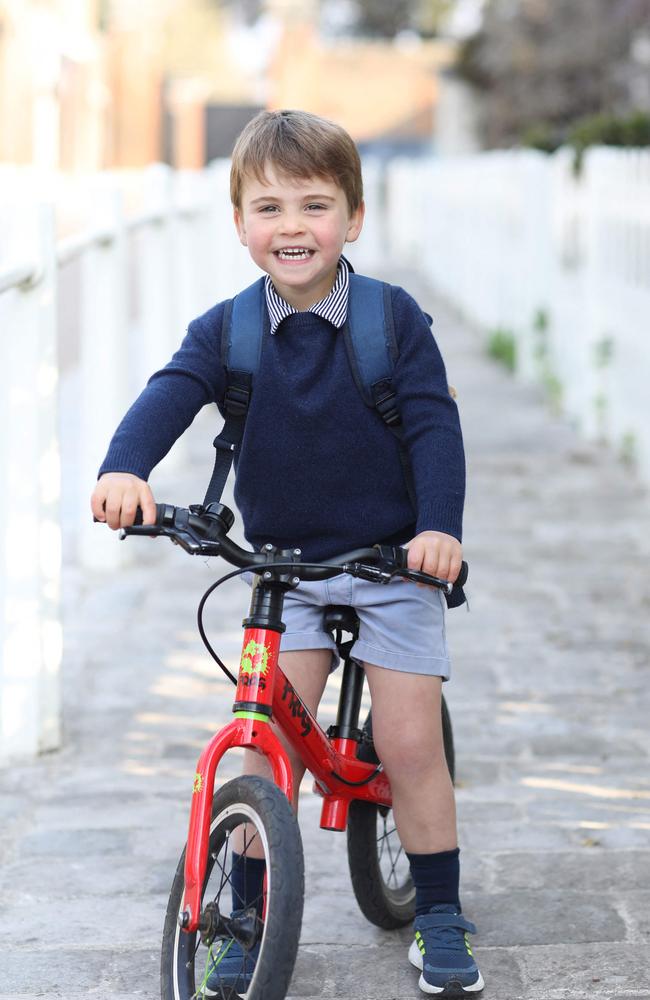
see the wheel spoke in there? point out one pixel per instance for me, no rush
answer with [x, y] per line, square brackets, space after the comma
[392, 862]
[385, 845]
[225, 881]
[393, 870]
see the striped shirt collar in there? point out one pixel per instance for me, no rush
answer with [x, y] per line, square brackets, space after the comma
[334, 307]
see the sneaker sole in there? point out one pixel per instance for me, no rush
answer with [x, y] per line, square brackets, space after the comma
[451, 989]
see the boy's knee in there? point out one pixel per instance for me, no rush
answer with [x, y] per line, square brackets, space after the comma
[410, 753]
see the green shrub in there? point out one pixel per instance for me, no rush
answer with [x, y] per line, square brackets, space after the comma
[542, 136]
[603, 129]
[608, 130]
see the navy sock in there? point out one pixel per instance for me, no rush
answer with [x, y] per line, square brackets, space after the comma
[247, 881]
[436, 878]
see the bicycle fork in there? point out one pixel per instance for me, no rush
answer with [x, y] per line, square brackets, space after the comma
[248, 729]
[263, 691]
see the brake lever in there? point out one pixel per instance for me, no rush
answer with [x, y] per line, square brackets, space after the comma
[183, 537]
[149, 530]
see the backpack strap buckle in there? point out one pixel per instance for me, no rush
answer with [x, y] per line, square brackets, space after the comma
[386, 402]
[221, 444]
[236, 399]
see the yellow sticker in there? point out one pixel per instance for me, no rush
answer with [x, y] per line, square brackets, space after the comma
[255, 658]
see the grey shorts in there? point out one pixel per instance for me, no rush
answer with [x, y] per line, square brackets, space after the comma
[402, 626]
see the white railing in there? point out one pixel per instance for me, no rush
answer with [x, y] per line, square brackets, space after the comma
[83, 322]
[30, 628]
[560, 262]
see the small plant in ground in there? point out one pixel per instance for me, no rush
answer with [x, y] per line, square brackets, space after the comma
[540, 333]
[541, 319]
[554, 389]
[603, 351]
[600, 407]
[502, 347]
[628, 448]
[541, 352]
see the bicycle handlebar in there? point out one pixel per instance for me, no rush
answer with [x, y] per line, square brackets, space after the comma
[203, 531]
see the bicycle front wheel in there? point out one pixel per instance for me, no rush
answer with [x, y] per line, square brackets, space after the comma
[253, 951]
[379, 867]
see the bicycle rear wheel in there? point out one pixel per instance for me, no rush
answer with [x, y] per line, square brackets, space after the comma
[379, 867]
[270, 928]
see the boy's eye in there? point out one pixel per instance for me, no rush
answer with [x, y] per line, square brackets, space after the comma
[268, 208]
[314, 206]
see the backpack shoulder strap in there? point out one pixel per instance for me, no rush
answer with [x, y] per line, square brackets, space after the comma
[243, 326]
[241, 345]
[372, 352]
[370, 341]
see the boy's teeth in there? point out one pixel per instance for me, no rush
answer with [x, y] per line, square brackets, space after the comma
[297, 254]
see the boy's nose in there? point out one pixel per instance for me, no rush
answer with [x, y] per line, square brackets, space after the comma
[292, 223]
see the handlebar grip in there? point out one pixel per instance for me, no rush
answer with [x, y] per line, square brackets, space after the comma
[165, 514]
[399, 555]
[160, 507]
[137, 520]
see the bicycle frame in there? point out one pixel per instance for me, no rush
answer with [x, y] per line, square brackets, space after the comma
[263, 691]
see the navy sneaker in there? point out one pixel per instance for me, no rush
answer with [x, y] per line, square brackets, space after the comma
[230, 969]
[441, 950]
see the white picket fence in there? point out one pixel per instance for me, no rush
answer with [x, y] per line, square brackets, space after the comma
[520, 244]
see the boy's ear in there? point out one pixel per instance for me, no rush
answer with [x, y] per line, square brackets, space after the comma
[239, 226]
[355, 224]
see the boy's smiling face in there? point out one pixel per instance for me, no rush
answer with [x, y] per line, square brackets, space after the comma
[295, 229]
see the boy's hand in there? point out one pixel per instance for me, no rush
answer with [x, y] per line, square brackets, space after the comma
[117, 497]
[435, 553]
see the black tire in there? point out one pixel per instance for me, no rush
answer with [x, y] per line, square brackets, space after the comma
[448, 740]
[379, 868]
[258, 802]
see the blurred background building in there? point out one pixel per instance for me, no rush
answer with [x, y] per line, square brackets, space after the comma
[90, 84]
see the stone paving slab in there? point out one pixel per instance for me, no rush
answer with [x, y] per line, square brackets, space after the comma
[549, 699]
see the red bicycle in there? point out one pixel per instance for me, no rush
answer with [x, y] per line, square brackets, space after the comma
[202, 923]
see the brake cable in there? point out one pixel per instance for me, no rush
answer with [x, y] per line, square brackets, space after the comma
[213, 587]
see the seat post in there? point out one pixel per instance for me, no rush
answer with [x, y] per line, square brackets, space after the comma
[339, 618]
[345, 736]
[347, 715]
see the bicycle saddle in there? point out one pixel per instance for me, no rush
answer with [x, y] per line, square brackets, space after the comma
[340, 616]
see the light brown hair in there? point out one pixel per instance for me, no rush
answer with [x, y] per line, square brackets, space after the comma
[299, 145]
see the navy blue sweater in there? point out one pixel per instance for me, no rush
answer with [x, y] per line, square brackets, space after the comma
[317, 467]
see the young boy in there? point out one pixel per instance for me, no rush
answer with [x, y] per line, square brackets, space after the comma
[333, 481]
